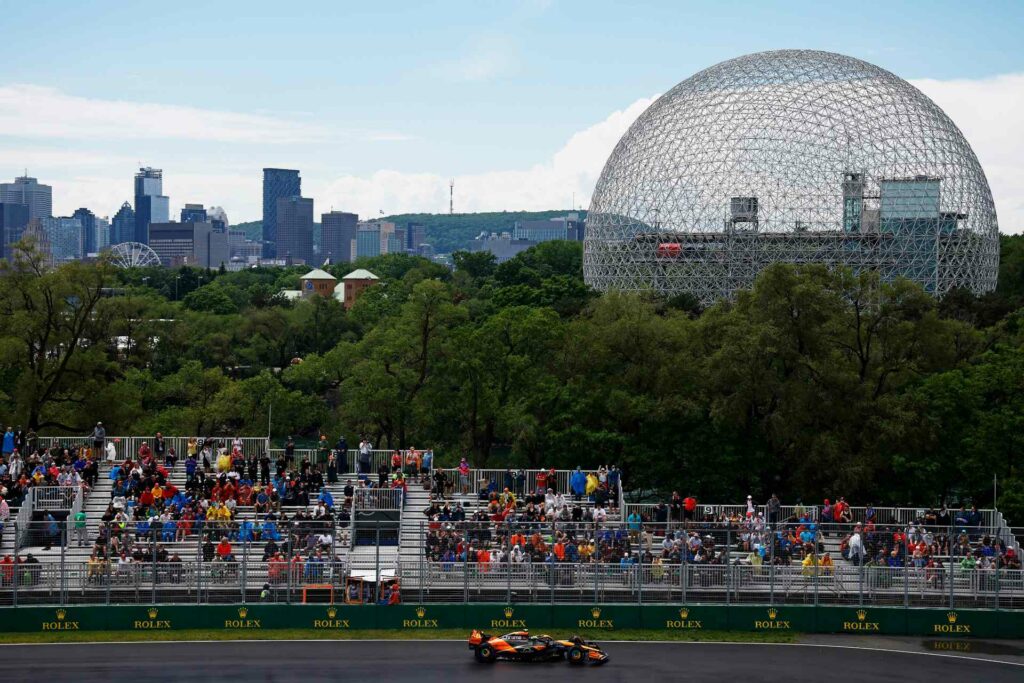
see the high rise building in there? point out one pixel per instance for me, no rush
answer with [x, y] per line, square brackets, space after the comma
[65, 236]
[568, 227]
[88, 220]
[24, 190]
[151, 205]
[193, 213]
[13, 220]
[102, 233]
[338, 236]
[295, 228]
[195, 243]
[122, 227]
[278, 183]
[384, 232]
[415, 235]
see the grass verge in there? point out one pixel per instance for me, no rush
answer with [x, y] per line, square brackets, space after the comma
[440, 634]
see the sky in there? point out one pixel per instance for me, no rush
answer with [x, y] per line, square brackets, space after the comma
[380, 104]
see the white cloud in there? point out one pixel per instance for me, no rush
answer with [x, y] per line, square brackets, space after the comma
[572, 170]
[41, 112]
[988, 112]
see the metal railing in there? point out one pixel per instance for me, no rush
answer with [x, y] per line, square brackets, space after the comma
[54, 497]
[379, 499]
[124, 447]
[142, 565]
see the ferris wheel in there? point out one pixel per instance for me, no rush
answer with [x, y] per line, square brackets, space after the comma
[133, 255]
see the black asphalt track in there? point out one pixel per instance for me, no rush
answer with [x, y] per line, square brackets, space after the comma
[452, 662]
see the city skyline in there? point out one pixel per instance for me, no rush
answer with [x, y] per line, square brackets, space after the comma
[520, 105]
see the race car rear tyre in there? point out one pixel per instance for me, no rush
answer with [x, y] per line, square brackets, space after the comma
[485, 653]
[576, 656]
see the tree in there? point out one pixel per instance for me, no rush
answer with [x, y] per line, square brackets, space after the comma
[54, 344]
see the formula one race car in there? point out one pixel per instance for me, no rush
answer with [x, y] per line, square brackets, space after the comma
[520, 646]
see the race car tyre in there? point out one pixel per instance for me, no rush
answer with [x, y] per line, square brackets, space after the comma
[576, 656]
[485, 653]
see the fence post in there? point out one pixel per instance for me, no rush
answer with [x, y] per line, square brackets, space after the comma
[63, 574]
[377, 592]
[107, 574]
[508, 564]
[819, 534]
[245, 570]
[728, 566]
[906, 570]
[771, 565]
[465, 563]
[17, 576]
[952, 562]
[423, 552]
[154, 563]
[684, 565]
[199, 526]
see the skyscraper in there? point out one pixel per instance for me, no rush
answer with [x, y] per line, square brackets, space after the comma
[102, 225]
[65, 237]
[151, 206]
[13, 219]
[193, 213]
[88, 220]
[122, 227]
[338, 233]
[24, 190]
[415, 235]
[278, 183]
[294, 220]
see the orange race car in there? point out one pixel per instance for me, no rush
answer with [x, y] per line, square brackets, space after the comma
[520, 646]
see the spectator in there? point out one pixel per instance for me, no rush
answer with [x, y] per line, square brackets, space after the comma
[99, 437]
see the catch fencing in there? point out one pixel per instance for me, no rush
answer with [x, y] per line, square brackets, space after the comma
[282, 562]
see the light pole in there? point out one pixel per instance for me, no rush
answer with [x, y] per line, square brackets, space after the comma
[176, 278]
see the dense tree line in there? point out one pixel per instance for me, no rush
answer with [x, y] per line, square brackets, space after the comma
[813, 383]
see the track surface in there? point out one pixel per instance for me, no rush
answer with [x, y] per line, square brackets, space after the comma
[450, 662]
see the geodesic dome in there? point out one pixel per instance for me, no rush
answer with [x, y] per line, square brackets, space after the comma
[793, 156]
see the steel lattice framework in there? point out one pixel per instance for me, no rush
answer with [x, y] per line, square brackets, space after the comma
[791, 156]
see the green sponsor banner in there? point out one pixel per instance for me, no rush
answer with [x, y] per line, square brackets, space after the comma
[595, 616]
[771, 618]
[861, 620]
[938, 624]
[420, 617]
[685, 617]
[499, 619]
[952, 623]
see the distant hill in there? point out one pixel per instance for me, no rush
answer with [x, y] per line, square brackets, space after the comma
[446, 232]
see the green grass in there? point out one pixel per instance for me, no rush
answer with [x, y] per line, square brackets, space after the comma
[440, 634]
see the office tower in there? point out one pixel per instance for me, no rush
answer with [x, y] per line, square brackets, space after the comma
[65, 236]
[151, 206]
[102, 233]
[294, 227]
[195, 243]
[193, 213]
[24, 190]
[13, 219]
[338, 234]
[88, 220]
[415, 235]
[35, 235]
[122, 227]
[278, 183]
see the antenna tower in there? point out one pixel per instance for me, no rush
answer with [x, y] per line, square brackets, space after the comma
[451, 197]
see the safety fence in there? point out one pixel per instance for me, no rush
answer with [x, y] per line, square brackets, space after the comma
[566, 563]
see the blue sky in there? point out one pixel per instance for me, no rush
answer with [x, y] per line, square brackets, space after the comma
[380, 103]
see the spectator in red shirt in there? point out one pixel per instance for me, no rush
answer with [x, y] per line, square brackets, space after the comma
[224, 550]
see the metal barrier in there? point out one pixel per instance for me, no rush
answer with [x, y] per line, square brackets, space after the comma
[151, 564]
[54, 497]
[379, 499]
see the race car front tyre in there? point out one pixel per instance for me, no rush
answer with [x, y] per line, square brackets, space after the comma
[485, 653]
[575, 656]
